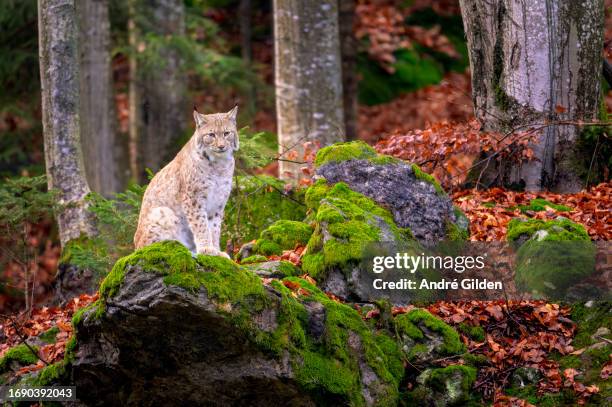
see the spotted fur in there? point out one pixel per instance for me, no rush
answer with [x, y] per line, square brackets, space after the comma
[185, 201]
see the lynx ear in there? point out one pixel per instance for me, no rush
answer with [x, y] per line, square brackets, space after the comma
[232, 114]
[199, 118]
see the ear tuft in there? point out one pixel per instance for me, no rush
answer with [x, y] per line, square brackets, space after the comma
[232, 114]
[198, 117]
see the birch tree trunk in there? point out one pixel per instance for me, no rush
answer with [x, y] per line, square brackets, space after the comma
[59, 77]
[535, 62]
[308, 77]
[157, 85]
[98, 126]
[348, 47]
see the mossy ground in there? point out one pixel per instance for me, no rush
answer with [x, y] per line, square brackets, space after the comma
[351, 220]
[283, 235]
[49, 335]
[20, 354]
[539, 204]
[560, 229]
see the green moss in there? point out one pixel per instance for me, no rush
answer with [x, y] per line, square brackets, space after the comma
[455, 233]
[415, 323]
[353, 150]
[597, 349]
[558, 255]
[351, 220]
[255, 203]
[257, 258]
[476, 333]
[49, 335]
[51, 374]
[283, 235]
[474, 359]
[423, 176]
[222, 278]
[540, 204]
[385, 160]
[448, 386]
[315, 193]
[289, 269]
[560, 229]
[329, 362]
[445, 380]
[20, 354]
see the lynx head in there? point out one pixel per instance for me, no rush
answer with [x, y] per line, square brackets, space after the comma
[216, 133]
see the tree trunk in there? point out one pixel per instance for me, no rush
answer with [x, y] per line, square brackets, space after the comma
[308, 77]
[535, 62]
[157, 85]
[348, 47]
[59, 76]
[244, 21]
[98, 136]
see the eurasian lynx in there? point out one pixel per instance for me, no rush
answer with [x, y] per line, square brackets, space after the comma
[186, 199]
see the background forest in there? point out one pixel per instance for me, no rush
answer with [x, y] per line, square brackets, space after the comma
[403, 84]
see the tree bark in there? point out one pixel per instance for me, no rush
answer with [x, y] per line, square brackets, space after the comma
[535, 62]
[157, 85]
[308, 77]
[348, 47]
[98, 126]
[59, 74]
[244, 21]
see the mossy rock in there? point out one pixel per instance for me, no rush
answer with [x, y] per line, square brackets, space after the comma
[283, 235]
[353, 150]
[554, 257]
[255, 203]
[346, 223]
[273, 269]
[322, 346]
[256, 258]
[425, 337]
[447, 386]
[414, 198]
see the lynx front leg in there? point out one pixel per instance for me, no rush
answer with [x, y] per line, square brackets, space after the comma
[201, 228]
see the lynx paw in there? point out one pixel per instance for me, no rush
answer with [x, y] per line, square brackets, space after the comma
[212, 251]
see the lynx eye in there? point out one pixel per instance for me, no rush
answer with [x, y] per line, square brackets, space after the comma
[227, 133]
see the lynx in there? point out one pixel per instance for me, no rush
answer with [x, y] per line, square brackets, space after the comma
[186, 199]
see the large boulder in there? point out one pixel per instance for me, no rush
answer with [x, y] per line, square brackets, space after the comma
[414, 198]
[171, 328]
[364, 203]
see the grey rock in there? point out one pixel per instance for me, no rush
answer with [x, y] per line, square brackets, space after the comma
[157, 344]
[414, 203]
